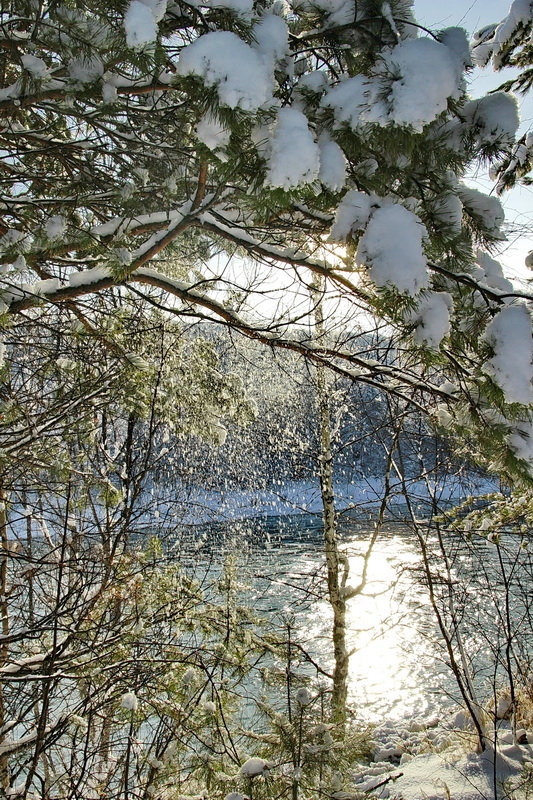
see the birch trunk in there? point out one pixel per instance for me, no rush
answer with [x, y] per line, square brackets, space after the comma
[329, 515]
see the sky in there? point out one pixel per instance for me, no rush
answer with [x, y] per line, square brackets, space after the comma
[518, 204]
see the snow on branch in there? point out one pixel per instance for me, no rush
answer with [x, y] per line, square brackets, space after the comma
[510, 336]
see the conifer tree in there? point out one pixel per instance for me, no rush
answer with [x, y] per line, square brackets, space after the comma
[136, 130]
[508, 44]
[140, 140]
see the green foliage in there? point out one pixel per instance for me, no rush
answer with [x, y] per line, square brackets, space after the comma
[114, 213]
[107, 137]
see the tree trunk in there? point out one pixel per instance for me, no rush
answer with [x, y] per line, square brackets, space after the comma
[335, 594]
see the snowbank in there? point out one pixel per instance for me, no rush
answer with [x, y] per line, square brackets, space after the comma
[472, 777]
[401, 770]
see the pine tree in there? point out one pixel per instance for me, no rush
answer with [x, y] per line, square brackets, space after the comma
[134, 132]
[508, 44]
[144, 143]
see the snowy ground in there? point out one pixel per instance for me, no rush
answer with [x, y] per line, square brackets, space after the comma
[434, 760]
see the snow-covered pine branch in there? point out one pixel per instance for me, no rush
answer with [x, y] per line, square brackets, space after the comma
[120, 118]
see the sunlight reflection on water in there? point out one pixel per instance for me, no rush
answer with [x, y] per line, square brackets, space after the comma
[393, 667]
[397, 668]
[392, 662]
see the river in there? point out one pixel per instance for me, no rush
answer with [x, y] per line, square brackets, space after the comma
[399, 665]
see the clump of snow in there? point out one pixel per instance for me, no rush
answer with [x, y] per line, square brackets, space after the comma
[12, 92]
[337, 12]
[520, 440]
[443, 417]
[392, 243]
[448, 210]
[15, 238]
[520, 17]
[487, 210]
[44, 287]
[261, 136]
[189, 676]
[432, 318]
[457, 41]
[314, 81]
[495, 117]
[109, 93]
[140, 25]
[18, 265]
[254, 766]
[367, 167]
[348, 100]
[212, 132]
[271, 37]
[294, 157]
[410, 87]
[511, 366]
[492, 41]
[142, 174]
[333, 164]
[239, 73]
[88, 276]
[490, 272]
[424, 76]
[75, 22]
[504, 707]
[129, 701]
[127, 190]
[35, 66]
[482, 47]
[391, 247]
[55, 227]
[79, 722]
[140, 22]
[352, 214]
[386, 10]
[123, 256]
[303, 697]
